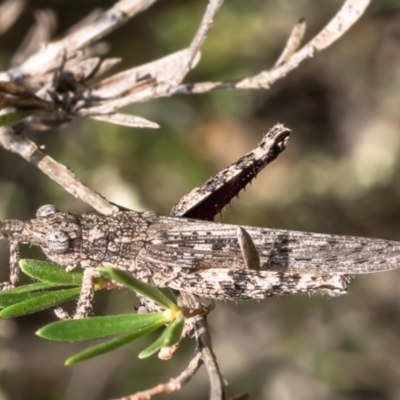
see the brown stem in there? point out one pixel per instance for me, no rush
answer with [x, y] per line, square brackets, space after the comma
[28, 150]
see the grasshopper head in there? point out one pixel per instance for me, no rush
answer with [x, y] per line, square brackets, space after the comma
[57, 233]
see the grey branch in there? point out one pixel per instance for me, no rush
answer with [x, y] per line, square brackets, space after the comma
[350, 12]
[10, 10]
[153, 80]
[197, 42]
[293, 43]
[51, 55]
[217, 381]
[160, 78]
[41, 32]
[28, 150]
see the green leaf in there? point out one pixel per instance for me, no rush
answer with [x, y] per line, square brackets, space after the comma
[40, 303]
[48, 272]
[15, 116]
[8, 299]
[97, 327]
[171, 335]
[138, 286]
[113, 344]
[30, 288]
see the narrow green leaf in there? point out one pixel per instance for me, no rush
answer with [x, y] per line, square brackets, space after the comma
[30, 288]
[138, 286]
[171, 334]
[49, 272]
[15, 116]
[8, 299]
[40, 303]
[112, 344]
[96, 327]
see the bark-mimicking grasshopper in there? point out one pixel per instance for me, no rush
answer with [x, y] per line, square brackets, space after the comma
[212, 260]
[208, 259]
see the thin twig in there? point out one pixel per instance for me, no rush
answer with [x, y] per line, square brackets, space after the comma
[198, 40]
[10, 10]
[120, 89]
[164, 80]
[343, 20]
[174, 384]
[39, 34]
[50, 56]
[293, 43]
[148, 83]
[217, 381]
[28, 150]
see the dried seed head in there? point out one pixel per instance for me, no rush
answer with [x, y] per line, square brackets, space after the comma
[46, 211]
[57, 241]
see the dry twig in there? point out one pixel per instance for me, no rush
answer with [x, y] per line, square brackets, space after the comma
[350, 12]
[28, 150]
[174, 384]
[50, 56]
[9, 12]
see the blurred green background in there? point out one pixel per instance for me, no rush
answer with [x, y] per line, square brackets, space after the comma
[339, 175]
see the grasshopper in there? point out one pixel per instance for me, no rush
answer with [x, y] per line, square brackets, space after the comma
[208, 259]
[197, 256]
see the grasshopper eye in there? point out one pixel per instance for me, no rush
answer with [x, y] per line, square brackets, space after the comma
[57, 241]
[46, 211]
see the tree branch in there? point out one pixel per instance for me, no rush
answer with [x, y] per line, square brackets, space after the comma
[217, 381]
[28, 150]
[51, 55]
[10, 10]
[350, 12]
[197, 42]
[174, 384]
